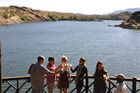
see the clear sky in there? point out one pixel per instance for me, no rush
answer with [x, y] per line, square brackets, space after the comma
[75, 6]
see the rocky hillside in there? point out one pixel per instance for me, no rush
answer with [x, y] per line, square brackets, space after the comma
[15, 14]
[133, 22]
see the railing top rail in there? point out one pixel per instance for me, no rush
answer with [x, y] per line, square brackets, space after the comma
[15, 78]
[72, 76]
[114, 78]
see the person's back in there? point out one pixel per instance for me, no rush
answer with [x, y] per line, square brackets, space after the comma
[120, 85]
[121, 88]
[37, 72]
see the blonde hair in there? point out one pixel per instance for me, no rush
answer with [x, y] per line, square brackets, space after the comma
[64, 58]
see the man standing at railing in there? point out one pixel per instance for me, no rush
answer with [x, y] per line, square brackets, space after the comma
[37, 72]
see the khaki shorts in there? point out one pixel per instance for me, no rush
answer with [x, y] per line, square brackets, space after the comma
[51, 87]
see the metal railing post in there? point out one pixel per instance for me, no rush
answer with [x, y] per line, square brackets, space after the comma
[109, 87]
[17, 90]
[86, 84]
[134, 84]
[0, 68]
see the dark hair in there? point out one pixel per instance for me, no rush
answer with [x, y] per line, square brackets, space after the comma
[99, 62]
[39, 58]
[103, 69]
[83, 59]
[51, 58]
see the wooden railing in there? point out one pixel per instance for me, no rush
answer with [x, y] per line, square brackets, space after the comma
[21, 84]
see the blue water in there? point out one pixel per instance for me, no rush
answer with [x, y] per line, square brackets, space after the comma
[119, 48]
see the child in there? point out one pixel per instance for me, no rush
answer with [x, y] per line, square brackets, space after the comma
[51, 78]
[120, 86]
[100, 78]
[81, 73]
[64, 75]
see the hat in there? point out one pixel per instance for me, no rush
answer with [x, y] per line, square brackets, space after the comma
[120, 76]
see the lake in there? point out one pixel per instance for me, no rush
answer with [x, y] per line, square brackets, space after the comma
[119, 48]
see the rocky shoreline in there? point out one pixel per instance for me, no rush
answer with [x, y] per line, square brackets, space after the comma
[132, 23]
[129, 26]
[15, 15]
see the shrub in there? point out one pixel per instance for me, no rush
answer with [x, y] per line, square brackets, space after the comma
[25, 18]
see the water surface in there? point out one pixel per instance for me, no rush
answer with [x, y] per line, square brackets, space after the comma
[118, 48]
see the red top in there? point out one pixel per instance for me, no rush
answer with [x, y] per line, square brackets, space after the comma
[51, 78]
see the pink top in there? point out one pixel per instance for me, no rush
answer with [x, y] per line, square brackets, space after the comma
[51, 78]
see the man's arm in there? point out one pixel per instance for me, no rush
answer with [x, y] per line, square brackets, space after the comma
[85, 71]
[29, 71]
[47, 71]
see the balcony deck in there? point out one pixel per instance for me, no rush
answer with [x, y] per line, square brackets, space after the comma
[21, 84]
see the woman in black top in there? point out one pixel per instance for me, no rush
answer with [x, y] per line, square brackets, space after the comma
[100, 78]
[81, 73]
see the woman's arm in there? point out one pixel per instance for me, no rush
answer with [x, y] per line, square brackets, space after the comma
[69, 73]
[58, 67]
[112, 83]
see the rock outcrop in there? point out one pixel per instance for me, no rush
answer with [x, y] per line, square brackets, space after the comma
[132, 23]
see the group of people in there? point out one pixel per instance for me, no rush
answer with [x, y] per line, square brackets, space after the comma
[50, 73]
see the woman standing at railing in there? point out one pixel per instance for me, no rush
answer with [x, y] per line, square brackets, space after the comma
[64, 75]
[100, 78]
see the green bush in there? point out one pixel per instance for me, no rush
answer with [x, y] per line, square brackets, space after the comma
[12, 13]
[5, 16]
[25, 18]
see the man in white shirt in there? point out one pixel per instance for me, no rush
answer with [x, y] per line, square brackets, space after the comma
[120, 86]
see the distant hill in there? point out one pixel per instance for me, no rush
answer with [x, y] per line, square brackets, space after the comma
[126, 10]
[15, 14]
[120, 16]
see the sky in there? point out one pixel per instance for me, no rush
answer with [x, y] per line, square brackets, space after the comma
[75, 6]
